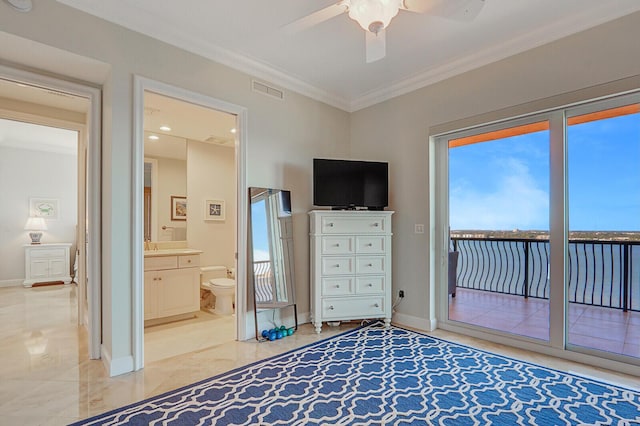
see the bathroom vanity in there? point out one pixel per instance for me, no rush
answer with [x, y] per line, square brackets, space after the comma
[171, 282]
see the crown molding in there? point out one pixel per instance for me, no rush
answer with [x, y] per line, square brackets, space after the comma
[543, 35]
[163, 31]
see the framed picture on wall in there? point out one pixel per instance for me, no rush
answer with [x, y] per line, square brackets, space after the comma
[214, 210]
[178, 208]
[43, 207]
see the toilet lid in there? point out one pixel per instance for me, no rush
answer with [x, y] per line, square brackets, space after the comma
[223, 282]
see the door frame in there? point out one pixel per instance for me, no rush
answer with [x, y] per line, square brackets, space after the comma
[89, 215]
[142, 84]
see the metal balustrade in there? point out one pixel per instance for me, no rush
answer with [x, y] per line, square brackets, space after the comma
[600, 273]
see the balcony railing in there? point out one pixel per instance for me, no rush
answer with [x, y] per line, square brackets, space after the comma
[601, 273]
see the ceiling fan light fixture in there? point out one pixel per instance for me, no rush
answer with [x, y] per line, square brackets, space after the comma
[373, 15]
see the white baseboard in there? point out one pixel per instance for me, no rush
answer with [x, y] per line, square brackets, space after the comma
[418, 323]
[118, 366]
[11, 283]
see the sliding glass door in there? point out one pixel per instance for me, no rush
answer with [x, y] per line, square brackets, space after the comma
[543, 216]
[603, 173]
[499, 222]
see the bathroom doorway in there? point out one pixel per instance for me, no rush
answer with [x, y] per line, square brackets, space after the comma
[189, 167]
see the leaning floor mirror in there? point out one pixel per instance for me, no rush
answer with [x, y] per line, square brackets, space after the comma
[270, 254]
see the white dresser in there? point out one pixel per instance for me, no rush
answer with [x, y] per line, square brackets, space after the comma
[46, 263]
[350, 265]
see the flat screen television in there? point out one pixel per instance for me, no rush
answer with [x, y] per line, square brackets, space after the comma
[350, 184]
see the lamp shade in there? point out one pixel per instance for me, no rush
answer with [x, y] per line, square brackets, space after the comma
[373, 15]
[35, 224]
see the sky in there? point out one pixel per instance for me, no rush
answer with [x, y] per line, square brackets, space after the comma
[504, 184]
[259, 237]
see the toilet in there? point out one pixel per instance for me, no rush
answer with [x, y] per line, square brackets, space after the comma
[215, 279]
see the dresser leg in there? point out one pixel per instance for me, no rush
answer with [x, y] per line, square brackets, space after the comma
[318, 326]
[387, 323]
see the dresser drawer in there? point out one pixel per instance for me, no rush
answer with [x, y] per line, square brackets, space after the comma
[160, 262]
[48, 253]
[370, 245]
[353, 225]
[354, 307]
[370, 285]
[370, 265]
[337, 245]
[337, 265]
[337, 286]
[190, 261]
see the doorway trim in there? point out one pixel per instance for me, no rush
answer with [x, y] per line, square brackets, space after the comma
[142, 84]
[93, 143]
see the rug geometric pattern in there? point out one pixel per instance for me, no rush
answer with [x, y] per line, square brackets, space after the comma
[372, 376]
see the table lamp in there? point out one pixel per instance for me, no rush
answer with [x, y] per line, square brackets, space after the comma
[35, 225]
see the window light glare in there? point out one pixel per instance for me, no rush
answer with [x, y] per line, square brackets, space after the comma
[154, 137]
[165, 128]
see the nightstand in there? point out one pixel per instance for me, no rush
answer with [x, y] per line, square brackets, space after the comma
[47, 262]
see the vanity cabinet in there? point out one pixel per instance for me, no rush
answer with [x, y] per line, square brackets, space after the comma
[171, 285]
[350, 265]
[46, 263]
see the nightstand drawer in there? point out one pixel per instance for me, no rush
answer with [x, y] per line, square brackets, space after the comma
[337, 286]
[353, 225]
[370, 245]
[337, 265]
[354, 307]
[370, 285]
[337, 245]
[47, 253]
[370, 265]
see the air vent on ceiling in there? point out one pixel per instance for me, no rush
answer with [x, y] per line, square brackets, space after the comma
[265, 89]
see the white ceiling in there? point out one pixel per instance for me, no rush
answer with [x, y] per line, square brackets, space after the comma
[327, 61]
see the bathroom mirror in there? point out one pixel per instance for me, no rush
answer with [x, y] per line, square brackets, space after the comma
[270, 254]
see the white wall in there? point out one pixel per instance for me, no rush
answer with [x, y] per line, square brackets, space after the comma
[172, 180]
[398, 130]
[25, 174]
[283, 137]
[211, 176]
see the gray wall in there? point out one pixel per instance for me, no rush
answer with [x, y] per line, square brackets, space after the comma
[398, 130]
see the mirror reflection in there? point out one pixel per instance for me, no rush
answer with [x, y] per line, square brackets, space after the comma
[271, 253]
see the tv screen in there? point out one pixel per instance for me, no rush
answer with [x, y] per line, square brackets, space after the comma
[348, 184]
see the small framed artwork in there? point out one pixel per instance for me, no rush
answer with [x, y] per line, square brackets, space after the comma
[43, 207]
[214, 210]
[178, 208]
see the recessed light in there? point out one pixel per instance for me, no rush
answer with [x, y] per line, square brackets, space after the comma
[154, 137]
[165, 128]
[233, 130]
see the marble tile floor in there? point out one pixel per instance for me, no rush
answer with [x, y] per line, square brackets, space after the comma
[46, 378]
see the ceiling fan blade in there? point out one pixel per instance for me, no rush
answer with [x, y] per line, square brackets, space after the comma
[315, 18]
[376, 45]
[458, 10]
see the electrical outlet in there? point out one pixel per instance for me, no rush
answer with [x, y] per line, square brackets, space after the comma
[418, 228]
[401, 294]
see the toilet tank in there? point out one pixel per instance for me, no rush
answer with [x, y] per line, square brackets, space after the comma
[210, 272]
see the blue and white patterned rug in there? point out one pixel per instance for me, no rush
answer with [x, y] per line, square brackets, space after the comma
[372, 376]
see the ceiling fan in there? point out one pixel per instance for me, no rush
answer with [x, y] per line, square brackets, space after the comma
[375, 15]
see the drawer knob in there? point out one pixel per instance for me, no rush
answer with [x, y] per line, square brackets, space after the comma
[369, 285]
[189, 261]
[376, 305]
[331, 308]
[369, 265]
[369, 245]
[337, 265]
[337, 285]
[376, 224]
[338, 245]
[330, 224]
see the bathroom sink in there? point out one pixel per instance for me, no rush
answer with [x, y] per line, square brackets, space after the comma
[171, 252]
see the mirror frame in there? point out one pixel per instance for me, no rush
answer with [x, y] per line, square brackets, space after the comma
[287, 261]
